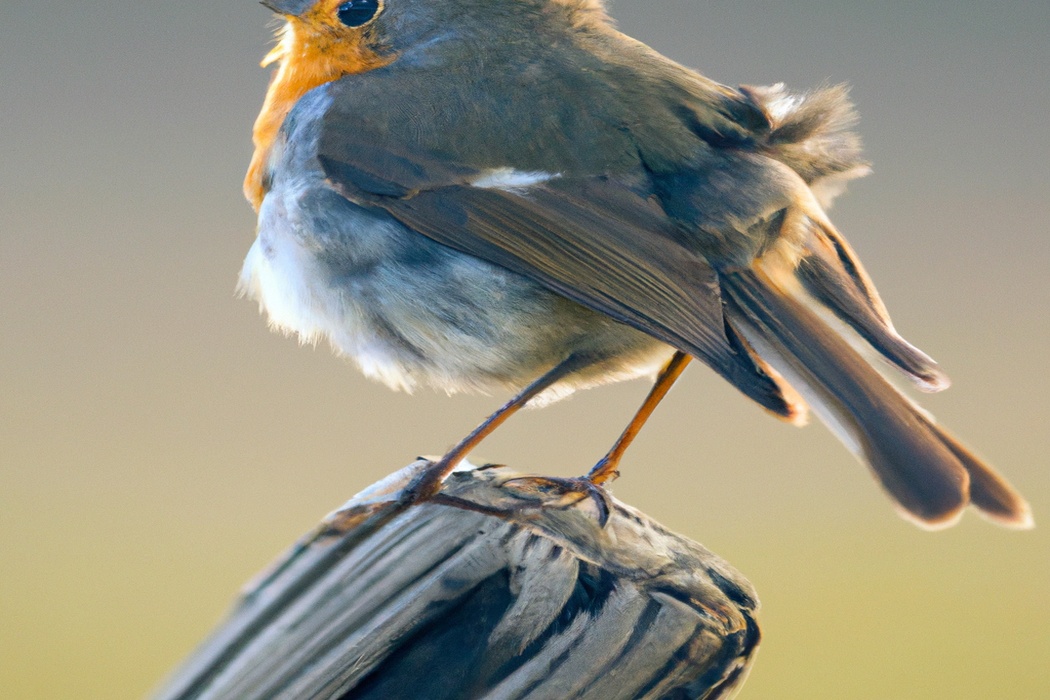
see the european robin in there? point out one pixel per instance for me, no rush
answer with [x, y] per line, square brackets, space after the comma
[480, 195]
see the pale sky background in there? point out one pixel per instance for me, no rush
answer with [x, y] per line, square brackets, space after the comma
[158, 445]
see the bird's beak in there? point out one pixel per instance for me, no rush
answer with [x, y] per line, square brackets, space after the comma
[292, 8]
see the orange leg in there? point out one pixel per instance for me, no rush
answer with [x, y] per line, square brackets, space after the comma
[429, 482]
[606, 468]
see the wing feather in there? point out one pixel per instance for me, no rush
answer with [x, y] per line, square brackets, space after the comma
[593, 240]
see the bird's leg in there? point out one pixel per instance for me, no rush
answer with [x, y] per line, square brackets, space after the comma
[572, 490]
[605, 469]
[429, 482]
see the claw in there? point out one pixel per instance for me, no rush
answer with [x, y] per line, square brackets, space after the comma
[604, 470]
[602, 501]
[555, 492]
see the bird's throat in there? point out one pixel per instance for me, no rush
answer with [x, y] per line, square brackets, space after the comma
[309, 53]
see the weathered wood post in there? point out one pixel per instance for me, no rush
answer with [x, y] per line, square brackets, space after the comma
[503, 586]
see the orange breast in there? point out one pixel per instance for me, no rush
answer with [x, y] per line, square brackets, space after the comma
[314, 49]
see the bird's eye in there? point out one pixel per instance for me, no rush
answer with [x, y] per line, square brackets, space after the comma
[358, 12]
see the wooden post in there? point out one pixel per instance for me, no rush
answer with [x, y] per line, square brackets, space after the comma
[502, 586]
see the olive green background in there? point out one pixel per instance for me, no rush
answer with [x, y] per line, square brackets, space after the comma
[158, 445]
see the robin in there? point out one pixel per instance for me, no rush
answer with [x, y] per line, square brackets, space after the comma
[481, 195]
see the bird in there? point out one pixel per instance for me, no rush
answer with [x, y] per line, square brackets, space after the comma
[513, 195]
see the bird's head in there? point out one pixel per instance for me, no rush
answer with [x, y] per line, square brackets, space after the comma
[322, 40]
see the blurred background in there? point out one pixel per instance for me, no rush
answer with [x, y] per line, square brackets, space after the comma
[158, 445]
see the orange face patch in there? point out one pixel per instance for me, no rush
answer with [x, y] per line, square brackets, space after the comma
[314, 48]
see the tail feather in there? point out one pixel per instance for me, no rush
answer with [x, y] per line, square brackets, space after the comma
[990, 493]
[830, 272]
[926, 471]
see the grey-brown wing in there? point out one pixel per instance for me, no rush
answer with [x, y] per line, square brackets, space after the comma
[594, 240]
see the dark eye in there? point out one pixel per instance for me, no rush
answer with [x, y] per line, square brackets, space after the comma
[358, 12]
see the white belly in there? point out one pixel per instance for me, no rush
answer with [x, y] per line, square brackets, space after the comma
[295, 291]
[408, 311]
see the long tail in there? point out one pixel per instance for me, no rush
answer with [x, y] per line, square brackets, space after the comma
[929, 473]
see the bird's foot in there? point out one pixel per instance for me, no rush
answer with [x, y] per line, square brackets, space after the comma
[561, 492]
[605, 470]
[428, 482]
